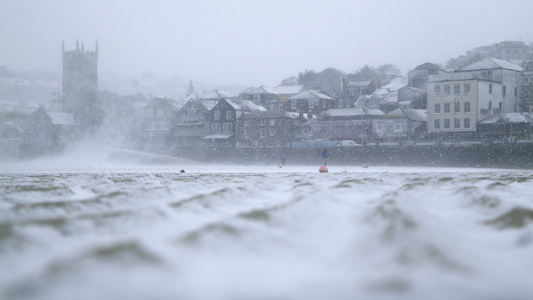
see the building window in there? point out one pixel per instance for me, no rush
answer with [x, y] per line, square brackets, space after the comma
[437, 90]
[229, 115]
[160, 112]
[457, 89]
[516, 92]
[490, 88]
[246, 123]
[457, 106]
[293, 104]
[436, 124]
[216, 127]
[436, 109]
[467, 122]
[456, 123]
[311, 103]
[504, 90]
[446, 108]
[246, 133]
[217, 115]
[272, 122]
[263, 132]
[227, 128]
[397, 125]
[446, 123]
[466, 107]
[446, 89]
[467, 88]
[263, 122]
[272, 131]
[379, 126]
[245, 144]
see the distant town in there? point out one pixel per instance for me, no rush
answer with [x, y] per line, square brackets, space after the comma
[479, 99]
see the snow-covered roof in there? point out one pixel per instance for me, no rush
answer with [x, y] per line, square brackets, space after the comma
[359, 83]
[245, 105]
[288, 89]
[505, 118]
[218, 136]
[411, 114]
[162, 102]
[278, 90]
[356, 111]
[396, 84]
[218, 94]
[310, 94]
[208, 104]
[491, 63]
[62, 118]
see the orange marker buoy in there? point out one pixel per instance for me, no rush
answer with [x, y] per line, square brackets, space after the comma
[323, 169]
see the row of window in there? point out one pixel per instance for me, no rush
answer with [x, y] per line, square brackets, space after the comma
[164, 125]
[456, 89]
[397, 126]
[263, 132]
[456, 123]
[222, 128]
[229, 115]
[250, 144]
[447, 107]
[312, 103]
[263, 122]
[159, 112]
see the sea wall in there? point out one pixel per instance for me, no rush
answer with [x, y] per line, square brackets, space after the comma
[491, 155]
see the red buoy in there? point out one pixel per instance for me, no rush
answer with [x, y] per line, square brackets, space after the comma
[323, 169]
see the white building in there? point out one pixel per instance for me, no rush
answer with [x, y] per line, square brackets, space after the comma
[457, 101]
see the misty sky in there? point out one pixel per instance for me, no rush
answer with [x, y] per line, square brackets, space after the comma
[253, 43]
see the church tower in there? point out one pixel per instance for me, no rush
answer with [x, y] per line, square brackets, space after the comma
[80, 84]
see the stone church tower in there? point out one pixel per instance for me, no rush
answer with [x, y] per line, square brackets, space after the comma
[80, 85]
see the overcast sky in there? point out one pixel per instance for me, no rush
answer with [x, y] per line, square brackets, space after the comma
[254, 43]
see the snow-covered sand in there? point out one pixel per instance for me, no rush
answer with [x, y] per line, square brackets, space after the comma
[264, 232]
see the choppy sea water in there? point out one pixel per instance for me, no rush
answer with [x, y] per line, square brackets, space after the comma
[263, 232]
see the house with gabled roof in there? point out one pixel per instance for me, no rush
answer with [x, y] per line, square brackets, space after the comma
[224, 117]
[272, 98]
[309, 102]
[400, 125]
[342, 124]
[217, 94]
[46, 133]
[193, 123]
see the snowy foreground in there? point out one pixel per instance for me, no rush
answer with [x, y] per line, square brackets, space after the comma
[263, 232]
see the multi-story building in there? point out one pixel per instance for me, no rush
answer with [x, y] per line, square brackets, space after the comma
[400, 125]
[457, 101]
[272, 98]
[309, 102]
[158, 119]
[268, 129]
[193, 123]
[224, 117]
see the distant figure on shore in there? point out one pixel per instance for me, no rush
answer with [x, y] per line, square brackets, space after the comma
[283, 161]
[366, 166]
[325, 155]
